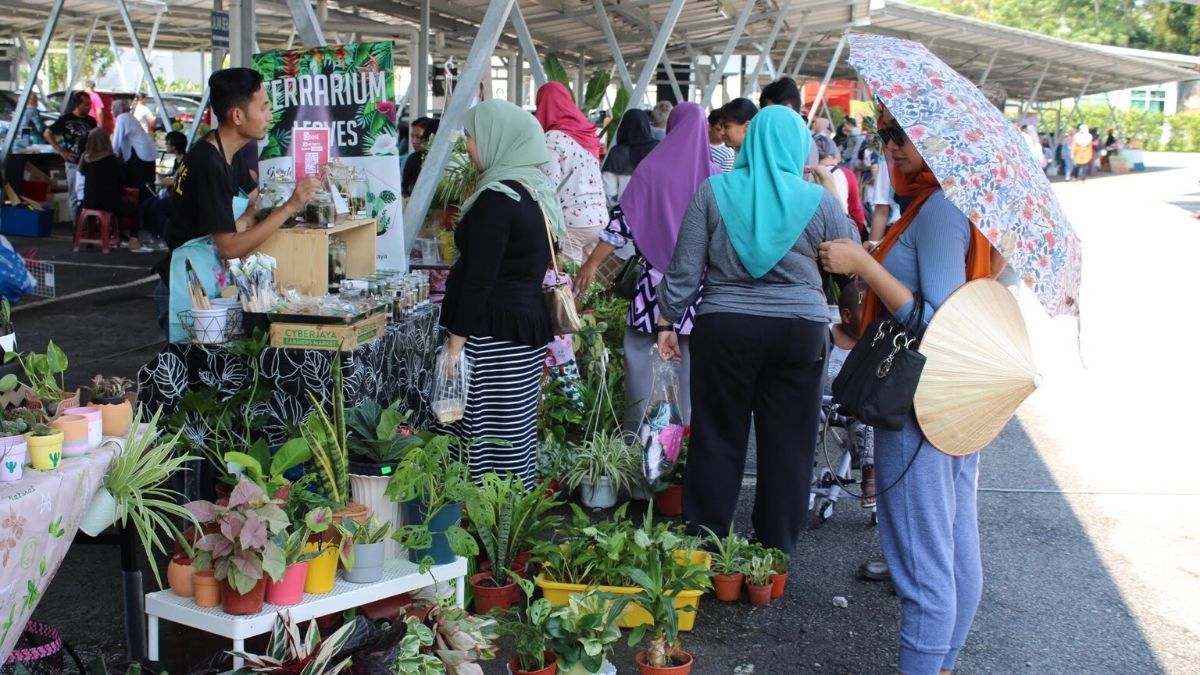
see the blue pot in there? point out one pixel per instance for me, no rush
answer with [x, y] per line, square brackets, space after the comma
[451, 514]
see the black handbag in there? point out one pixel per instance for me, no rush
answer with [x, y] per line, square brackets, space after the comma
[879, 378]
[625, 284]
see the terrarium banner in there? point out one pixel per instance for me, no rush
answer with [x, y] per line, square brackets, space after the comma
[350, 90]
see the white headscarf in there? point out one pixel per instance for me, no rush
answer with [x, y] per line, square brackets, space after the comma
[1083, 136]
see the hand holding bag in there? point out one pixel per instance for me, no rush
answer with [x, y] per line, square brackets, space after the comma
[879, 378]
[560, 301]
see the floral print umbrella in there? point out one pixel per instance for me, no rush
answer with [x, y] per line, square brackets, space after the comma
[983, 164]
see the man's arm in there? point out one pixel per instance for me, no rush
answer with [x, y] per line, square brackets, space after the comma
[239, 244]
[48, 134]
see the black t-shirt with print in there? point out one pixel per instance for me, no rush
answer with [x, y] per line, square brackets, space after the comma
[201, 202]
[74, 131]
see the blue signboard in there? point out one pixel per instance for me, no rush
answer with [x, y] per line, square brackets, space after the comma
[220, 29]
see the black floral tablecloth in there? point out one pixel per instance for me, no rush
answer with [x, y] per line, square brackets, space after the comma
[398, 366]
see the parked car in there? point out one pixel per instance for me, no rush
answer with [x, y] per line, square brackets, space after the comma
[8, 105]
[180, 109]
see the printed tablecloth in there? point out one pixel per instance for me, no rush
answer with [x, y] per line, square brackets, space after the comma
[39, 516]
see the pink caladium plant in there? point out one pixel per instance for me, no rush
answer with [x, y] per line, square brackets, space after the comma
[242, 547]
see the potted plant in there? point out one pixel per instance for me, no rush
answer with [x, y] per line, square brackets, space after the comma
[601, 467]
[529, 635]
[461, 639]
[180, 572]
[364, 560]
[242, 550]
[668, 488]
[325, 435]
[8, 334]
[325, 543]
[109, 394]
[410, 657]
[728, 564]
[758, 580]
[267, 470]
[296, 555]
[45, 446]
[288, 653]
[659, 586]
[432, 482]
[457, 181]
[13, 446]
[136, 489]
[779, 572]
[583, 631]
[378, 438]
[46, 374]
[506, 518]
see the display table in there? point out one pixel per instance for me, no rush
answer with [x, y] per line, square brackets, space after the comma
[399, 576]
[398, 366]
[39, 516]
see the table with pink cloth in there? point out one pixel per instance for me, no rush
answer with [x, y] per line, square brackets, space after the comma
[39, 515]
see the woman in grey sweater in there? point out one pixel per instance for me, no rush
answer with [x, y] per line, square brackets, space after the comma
[760, 337]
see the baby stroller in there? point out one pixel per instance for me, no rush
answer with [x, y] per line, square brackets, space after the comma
[843, 445]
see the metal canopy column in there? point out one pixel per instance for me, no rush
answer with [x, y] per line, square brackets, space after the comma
[820, 98]
[988, 71]
[752, 81]
[719, 71]
[1075, 106]
[580, 81]
[800, 61]
[478, 61]
[306, 23]
[149, 75]
[150, 50]
[34, 68]
[670, 68]
[421, 67]
[656, 51]
[613, 46]
[527, 47]
[791, 48]
[242, 44]
[1033, 93]
[112, 44]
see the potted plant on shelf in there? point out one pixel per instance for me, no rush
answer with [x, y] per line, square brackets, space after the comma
[378, 439]
[288, 653]
[180, 572]
[242, 550]
[583, 631]
[13, 446]
[529, 635]
[659, 587]
[432, 482]
[46, 374]
[364, 560]
[45, 446]
[109, 394]
[758, 580]
[461, 639]
[601, 467]
[325, 543]
[296, 555]
[728, 564]
[505, 518]
[325, 435]
[136, 489]
[268, 470]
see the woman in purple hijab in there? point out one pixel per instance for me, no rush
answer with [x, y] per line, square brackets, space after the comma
[650, 212]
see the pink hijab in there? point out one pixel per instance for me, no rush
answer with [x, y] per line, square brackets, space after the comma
[664, 183]
[556, 111]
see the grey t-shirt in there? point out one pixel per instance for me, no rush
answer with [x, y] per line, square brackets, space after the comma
[792, 289]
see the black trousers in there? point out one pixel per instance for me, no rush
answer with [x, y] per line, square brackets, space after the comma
[772, 369]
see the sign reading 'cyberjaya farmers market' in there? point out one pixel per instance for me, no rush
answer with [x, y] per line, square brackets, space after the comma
[348, 89]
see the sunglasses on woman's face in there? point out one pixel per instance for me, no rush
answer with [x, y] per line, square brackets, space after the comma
[894, 134]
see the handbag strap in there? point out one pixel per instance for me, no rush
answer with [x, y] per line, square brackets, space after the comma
[550, 239]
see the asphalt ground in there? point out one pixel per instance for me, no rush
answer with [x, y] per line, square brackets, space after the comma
[1087, 505]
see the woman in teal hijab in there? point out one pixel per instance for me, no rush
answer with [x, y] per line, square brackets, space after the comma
[759, 342]
[493, 307]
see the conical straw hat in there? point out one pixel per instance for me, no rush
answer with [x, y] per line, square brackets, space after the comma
[978, 369]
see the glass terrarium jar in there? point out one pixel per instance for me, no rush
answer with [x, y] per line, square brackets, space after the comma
[358, 194]
[318, 212]
[337, 263]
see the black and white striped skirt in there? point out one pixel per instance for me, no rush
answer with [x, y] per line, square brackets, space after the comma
[502, 400]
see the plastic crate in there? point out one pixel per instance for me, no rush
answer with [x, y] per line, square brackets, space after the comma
[19, 221]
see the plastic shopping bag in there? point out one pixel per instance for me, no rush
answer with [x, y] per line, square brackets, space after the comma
[661, 432]
[451, 380]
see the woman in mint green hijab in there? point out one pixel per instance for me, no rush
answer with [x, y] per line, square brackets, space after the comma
[493, 307]
[760, 337]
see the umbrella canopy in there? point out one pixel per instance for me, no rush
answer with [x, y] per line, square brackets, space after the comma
[982, 162]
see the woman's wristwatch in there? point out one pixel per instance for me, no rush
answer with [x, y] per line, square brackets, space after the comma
[669, 328]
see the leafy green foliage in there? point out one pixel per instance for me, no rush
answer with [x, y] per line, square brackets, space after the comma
[583, 631]
[508, 519]
[378, 434]
[528, 633]
[555, 72]
[325, 435]
[437, 475]
[370, 532]
[20, 420]
[288, 652]
[658, 588]
[410, 660]
[759, 571]
[607, 454]
[461, 639]
[593, 93]
[244, 547]
[46, 373]
[620, 105]
[729, 552]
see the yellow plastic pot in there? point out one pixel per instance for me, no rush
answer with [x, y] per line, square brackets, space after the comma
[322, 570]
[45, 452]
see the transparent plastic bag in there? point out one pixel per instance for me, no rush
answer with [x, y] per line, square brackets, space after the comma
[450, 384]
[660, 433]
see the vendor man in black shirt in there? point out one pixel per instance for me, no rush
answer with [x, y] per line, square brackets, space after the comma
[214, 192]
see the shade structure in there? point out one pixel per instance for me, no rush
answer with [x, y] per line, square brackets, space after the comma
[979, 367]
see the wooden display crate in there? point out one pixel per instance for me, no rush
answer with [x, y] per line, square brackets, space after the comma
[303, 254]
[328, 337]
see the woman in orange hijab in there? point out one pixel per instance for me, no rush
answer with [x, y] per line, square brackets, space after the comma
[928, 525]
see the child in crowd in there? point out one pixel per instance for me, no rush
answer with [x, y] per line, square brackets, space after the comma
[843, 337]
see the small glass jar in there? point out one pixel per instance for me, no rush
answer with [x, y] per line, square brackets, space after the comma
[318, 212]
[337, 263]
[358, 194]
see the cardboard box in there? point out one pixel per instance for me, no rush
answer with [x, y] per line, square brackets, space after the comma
[333, 337]
[22, 222]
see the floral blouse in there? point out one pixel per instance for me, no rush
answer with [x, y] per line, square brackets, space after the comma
[582, 196]
[643, 309]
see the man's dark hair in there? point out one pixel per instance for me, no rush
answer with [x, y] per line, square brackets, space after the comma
[739, 110]
[851, 121]
[177, 140]
[232, 88]
[428, 124]
[781, 92]
[77, 99]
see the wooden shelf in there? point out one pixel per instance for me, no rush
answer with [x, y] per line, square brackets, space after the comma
[303, 254]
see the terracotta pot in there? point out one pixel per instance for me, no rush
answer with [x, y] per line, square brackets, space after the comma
[669, 502]
[75, 434]
[207, 591]
[354, 511]
[759, 595]
[488, 595]
[778, 583]
[95, 423]
[180, 575]
[117, 415]
[45, 452]
[240, 604]
[728, 587]
[678, 655]
[322, 570]
[290, 589]
[550, 669]
[419, 610]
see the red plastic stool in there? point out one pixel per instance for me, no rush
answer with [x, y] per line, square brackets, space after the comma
[127, 222]
[101, 220]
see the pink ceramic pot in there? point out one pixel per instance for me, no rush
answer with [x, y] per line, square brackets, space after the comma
[289, 590]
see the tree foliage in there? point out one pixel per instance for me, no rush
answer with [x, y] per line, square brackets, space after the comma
[1158, 25]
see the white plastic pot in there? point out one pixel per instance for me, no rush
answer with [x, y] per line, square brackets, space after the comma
[13, 454]
[208, 325]
[601, 496]
[101, 513]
